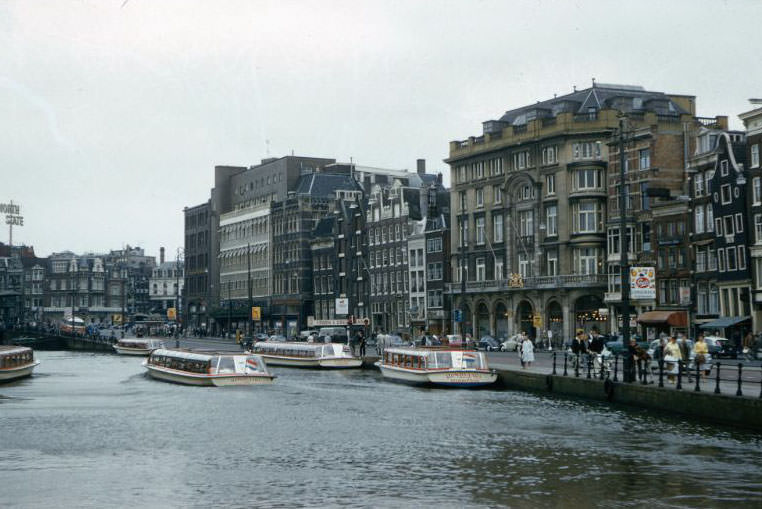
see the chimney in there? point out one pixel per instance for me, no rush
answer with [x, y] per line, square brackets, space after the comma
[722, 121]
[161, 255]
[421, 166]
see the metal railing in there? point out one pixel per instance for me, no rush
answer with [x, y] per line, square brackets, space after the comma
[683, 376]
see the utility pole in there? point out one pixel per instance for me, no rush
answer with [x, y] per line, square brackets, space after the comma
[625, 270]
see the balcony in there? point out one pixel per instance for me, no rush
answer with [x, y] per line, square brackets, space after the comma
[567, 281]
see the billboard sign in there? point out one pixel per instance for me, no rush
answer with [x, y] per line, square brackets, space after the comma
[342, 306]
[643, 283]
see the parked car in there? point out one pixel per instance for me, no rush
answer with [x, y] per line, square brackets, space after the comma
[276, 337]
[455, 340]
[489, 344]
[720, 347]
[510, 345]
[616, 347]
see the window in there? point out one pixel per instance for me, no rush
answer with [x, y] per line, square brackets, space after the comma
[586, 150]
[718, 226]
[700, 259]
[741, 250]
[711, 258]
[644, 155]
[730, 254]
[434, 271]
[614, 241]
[587, 217]
[550, 184]
[549, 155]
[479, 169]
[479, 231]
[481, 270]
[755, 155]
[526, 223]
[587, 260]
[728, 221]
[588, 179]
[552, 262]
[758, 228]
[709, 218]
[551, 220]
[463, 202]
[524, 265]
[739, 223]
[756, 189]
[434, 245]
[435, 298]
[726, 197]
[698, 185]
[522, 160]
[497, 195]
[645, 202]
[708, 182]
[526, 192]
[497, 228]
[480, 197]
[721, 259]
[699, 214]
[724, 167]
[496, 166]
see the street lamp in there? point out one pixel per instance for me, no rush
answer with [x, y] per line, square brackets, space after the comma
[180, 255]
[624, 246]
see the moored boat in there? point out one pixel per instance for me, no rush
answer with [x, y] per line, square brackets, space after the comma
[16, 362]
[451, 367]
[142, 346]
[193, 368]
[307, 355]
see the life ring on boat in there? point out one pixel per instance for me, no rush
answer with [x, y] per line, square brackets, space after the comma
[608, 388]
[549, 382]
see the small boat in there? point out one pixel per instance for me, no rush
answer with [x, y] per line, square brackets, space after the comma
[307, 355]
[445, 366]
[193, 368]
[16, 362]
[137, 346]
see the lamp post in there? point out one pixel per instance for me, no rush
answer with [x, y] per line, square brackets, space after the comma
[180, 253]
[624, 246]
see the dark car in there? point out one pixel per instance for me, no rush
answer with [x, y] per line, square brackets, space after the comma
[489, 344]
[616, 347]
[720, 347]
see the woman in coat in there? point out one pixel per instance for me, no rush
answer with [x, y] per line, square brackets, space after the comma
[527, 352]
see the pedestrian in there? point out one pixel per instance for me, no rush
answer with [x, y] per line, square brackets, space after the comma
[672, 358]
[700, 353]
[596, 341]
[362, 345]
[527, 352]
[748, 345]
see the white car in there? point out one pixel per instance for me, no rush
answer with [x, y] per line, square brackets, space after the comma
[509, 345]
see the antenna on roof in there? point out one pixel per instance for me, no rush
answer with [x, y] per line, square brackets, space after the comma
[593, 82]
[575, 87]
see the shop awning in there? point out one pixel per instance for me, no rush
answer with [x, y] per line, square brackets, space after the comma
[725, 321]
[673, 318]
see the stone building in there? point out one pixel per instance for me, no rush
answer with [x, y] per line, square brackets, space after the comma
[166, 287]
[529, 207]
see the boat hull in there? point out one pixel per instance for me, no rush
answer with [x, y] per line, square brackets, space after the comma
[181, 377]
[6, 375]
[445, 378]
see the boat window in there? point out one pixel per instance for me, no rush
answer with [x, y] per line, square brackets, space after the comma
[227, 365]
[473, 360]
[443, 359]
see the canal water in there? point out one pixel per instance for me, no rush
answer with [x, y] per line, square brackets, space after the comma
[91, 430]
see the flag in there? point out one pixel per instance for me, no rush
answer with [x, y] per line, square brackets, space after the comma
[251, 363]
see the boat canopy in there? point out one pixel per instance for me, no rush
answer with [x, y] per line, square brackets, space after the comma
[180, 354]
[12, 350]
[443, 358]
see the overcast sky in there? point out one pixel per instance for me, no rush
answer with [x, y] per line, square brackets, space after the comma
[115, 113]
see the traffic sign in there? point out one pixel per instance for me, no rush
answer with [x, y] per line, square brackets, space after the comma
[458, 314]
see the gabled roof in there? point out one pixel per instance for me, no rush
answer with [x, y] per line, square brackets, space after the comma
[325, 185]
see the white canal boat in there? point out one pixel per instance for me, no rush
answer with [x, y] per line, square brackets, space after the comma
[307, 355]
[192, 368]
[16, 362]
[451, 367]
[141, 346]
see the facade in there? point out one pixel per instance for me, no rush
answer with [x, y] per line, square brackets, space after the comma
[529, 208]
[166, 287]
[753, 122]
[293, 222]
[201, 265]
[437, 257]
[720, 231]
[245, 264]
[139, 270]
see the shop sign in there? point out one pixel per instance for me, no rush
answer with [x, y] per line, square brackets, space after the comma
[342, 306]
[643, 283]
[685, 295]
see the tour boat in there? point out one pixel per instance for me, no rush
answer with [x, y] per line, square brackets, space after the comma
[193, 368]
[16, 362]
[452, 367]
[307, 355]
[137, 346]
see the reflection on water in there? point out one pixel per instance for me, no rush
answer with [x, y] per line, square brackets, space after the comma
[92, 430]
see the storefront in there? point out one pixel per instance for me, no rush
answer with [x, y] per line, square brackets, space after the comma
[669, 322]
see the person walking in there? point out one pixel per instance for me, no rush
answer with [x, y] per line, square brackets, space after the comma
[362, 344]
[700, 353]
[672, 358]
[527, 352]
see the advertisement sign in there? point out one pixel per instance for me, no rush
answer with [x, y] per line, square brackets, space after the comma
[256, 313]
[643, 283]
[342, 306]
[685, 295]
[537, 320]
[171, 314]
